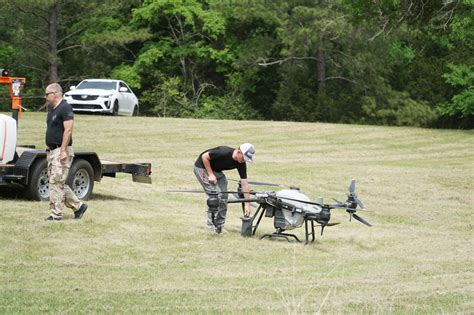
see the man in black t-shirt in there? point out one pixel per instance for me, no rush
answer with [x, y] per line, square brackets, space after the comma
[60, 154]
[208, 170]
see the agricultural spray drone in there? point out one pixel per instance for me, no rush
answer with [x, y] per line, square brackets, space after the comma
[290, 209]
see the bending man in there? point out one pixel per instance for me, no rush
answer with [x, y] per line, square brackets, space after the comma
[208, 170]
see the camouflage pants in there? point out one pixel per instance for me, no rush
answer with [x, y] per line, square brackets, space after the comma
[219, 217]
[60, 194]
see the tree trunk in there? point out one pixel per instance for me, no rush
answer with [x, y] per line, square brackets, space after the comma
[321, 68]
[53, 43]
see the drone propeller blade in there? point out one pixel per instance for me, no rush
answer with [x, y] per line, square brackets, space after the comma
[264, 184]
[327, 224]
[255, 183]
[302, 201]
[185, 191]
[361, 205]
[361, 220]
[209, 192]
[339, 204]
[252, 192]
[237, 197]
[352, 186]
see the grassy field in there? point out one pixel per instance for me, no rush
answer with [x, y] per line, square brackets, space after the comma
[142, 250]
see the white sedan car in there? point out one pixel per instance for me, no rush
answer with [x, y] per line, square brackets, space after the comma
[103, 96]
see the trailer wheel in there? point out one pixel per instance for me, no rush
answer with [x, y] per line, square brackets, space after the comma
[38, 186]
[81, 179]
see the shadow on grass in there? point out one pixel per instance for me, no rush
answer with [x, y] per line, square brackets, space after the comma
[12, 193]
[17, 193]
[103, 197]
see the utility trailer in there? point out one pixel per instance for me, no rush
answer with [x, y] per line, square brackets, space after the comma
[27, 167]
[29, 171]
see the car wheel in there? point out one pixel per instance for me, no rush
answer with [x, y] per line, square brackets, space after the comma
[135, 111]
[115, 110]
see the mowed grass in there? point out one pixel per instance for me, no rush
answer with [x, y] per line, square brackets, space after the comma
[141, 250]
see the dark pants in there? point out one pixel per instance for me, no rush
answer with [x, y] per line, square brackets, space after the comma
[219, 216]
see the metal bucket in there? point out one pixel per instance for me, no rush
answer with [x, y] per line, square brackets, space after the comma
[246, 226]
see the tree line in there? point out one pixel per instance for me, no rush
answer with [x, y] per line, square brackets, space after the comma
[385, 62]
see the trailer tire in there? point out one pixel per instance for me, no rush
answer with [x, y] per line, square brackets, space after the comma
[38, 184]
[81, 179]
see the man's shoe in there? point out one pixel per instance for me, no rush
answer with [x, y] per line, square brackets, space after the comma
[210, 227]
[218, 229]
[79, 213]
[51, 218]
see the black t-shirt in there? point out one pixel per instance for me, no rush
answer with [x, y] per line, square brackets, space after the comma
[221, 159]
[55, 127]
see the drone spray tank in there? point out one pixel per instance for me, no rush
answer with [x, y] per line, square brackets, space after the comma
[289, 219]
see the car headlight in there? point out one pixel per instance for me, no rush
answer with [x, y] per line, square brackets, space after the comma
[105, 96]
[67, 95]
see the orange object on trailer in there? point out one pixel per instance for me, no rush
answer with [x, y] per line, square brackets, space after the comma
[15, 86]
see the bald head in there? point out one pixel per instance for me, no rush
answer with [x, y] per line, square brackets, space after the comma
[53, 94]
[56, 88]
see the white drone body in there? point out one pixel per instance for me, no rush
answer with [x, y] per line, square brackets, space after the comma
[294, 218]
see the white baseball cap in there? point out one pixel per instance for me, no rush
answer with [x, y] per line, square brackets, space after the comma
[248, 151]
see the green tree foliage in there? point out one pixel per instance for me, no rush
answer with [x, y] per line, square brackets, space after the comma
[251, 36]
[459, 67]
[183, 53]
[462, 103]
[59, 41]
[426, 38]
[398, 62]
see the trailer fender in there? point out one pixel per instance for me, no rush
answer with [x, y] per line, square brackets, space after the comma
[93, 160]
[22, 169]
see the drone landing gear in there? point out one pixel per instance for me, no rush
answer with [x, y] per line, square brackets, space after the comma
[308, 234]
[262, 209]
[279, 233]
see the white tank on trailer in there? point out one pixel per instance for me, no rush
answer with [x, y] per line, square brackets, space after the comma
[7, 138]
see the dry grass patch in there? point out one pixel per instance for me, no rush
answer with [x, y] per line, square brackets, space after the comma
[141, 250]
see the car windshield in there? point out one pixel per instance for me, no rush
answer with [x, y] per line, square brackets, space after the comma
[100, 85]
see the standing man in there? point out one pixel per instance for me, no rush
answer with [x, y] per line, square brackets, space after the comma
[59, 154]
[208, 170]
